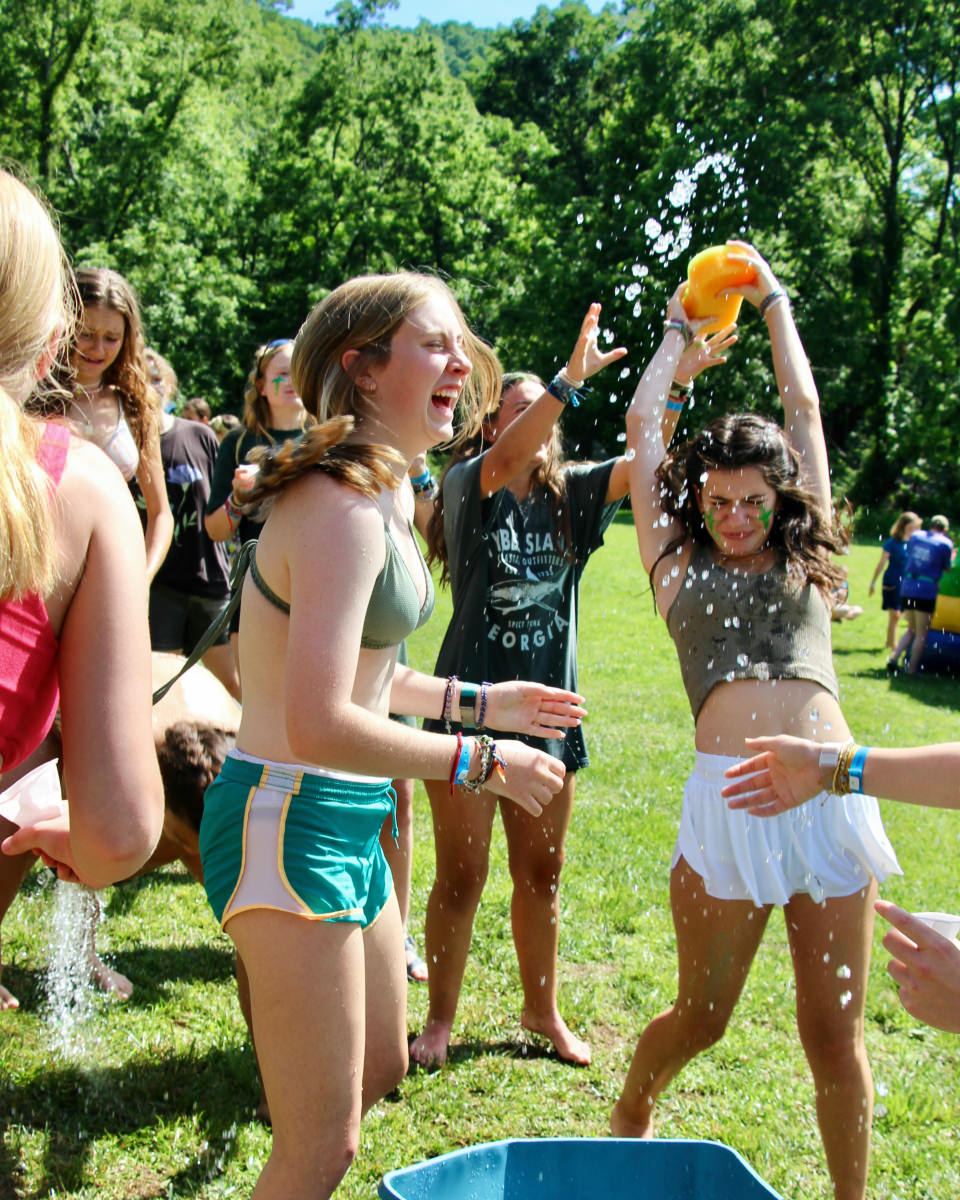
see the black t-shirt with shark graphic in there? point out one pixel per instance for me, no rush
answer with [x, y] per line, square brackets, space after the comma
[516, 583]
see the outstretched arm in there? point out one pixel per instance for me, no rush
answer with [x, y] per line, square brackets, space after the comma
[785, 772]
[514, 448]
[516, 706]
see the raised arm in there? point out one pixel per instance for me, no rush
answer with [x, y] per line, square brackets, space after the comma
[798, 392]
[680, 357]
[512, 451]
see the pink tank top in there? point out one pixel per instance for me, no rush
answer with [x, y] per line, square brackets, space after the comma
[29, 682]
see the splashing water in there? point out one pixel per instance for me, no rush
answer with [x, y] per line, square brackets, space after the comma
[69, 987]
[670, 230]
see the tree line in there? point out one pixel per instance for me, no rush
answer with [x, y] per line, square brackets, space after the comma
[235, 164]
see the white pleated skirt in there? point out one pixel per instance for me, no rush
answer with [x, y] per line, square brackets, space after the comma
[831, 846]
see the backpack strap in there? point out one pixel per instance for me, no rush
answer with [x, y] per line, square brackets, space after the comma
[220, 622]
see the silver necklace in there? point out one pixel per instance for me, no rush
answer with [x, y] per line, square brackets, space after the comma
[88, 426]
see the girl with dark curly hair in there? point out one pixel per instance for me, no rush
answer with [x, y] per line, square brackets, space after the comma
[736, 531]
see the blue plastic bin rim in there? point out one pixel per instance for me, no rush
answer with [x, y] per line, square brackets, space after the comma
[386, 1190]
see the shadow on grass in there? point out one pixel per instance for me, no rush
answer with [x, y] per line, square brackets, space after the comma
[75, 1107]
[461, 1052]
[148, 969]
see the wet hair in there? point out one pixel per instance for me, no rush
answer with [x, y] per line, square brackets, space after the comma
[939, 523]
[190, 758]
[547, 478]
[362, 314]
[36, 301]
[256, 407]
[899, 527]
[801, 532]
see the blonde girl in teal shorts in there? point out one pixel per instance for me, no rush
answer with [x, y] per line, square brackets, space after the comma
[291, 859]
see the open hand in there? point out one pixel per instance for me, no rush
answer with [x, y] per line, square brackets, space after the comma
[587, 357]
[50, 841]
[532, 709]
[700, 354]
[783, 773]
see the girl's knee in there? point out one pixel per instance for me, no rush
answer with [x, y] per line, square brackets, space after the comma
[539, 873]
[460, 887]
[703, 1023]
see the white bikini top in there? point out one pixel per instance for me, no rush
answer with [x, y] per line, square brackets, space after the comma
[120, 447]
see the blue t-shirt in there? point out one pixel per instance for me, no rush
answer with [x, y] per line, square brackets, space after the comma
[928, 556]
[897, 552]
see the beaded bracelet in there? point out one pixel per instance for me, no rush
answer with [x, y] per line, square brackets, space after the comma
[481, 715]
[447, 709]
[490, 760]
[563, 390]
[234, 514]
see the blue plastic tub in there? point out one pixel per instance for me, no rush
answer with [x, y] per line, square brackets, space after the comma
[581, 1169]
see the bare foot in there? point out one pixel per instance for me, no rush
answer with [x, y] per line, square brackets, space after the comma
[109, 981]
[567, 1045]
[625, 1127]
[430, 1048]
[7, 999]
[416, 967]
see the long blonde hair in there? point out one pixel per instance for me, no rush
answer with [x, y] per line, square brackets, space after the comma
[36, 305]
[363, 314]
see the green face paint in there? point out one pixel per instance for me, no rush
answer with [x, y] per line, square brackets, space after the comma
[277, 380]
[766, 519]
[710, 520]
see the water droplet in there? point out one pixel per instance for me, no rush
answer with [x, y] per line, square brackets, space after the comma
[845, 999]
[844, 972]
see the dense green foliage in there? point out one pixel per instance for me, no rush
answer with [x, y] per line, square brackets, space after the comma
[160, 1103]
[236, 164]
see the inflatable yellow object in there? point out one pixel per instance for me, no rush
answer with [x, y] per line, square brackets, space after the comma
[946, 615]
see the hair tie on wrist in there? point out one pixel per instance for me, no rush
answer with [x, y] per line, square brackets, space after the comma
[769, 301]
[681, 327]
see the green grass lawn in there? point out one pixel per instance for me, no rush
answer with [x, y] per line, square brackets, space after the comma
[161, 1105]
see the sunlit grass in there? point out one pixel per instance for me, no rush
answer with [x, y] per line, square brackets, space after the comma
[162, 1103]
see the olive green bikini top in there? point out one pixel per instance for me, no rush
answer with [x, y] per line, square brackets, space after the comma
[394, 610]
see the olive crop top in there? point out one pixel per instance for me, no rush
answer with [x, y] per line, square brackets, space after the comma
[735, 625]
[394, 610]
